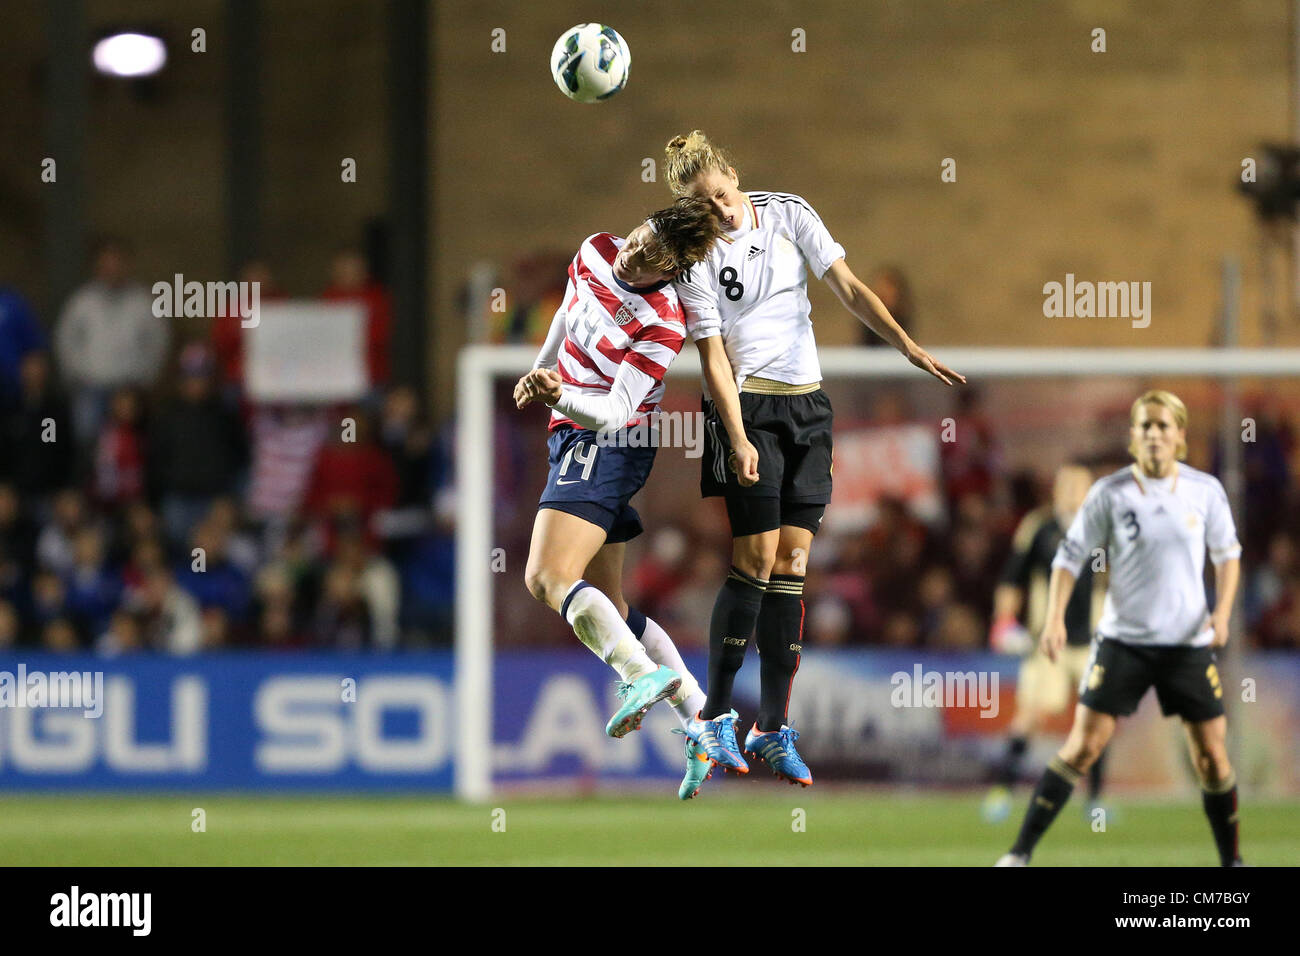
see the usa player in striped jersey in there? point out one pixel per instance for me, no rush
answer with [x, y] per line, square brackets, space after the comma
[768, 440]
[1155, 520]
[601, 372]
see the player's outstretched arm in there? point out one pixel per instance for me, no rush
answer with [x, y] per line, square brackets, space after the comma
[719, 376]
[866, 305]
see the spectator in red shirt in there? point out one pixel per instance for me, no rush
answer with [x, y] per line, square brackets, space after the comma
[119, 452]
[350, 281]
[971, 463]
[352, 480]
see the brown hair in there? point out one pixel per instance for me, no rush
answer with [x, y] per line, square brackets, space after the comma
[684, 234]
[685, 157]
[1166, 400]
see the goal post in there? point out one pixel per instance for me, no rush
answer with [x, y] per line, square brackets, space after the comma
[479, 366]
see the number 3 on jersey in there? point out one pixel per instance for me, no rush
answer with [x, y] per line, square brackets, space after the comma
[586, 459]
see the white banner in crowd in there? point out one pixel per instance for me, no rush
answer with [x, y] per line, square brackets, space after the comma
[306, 351]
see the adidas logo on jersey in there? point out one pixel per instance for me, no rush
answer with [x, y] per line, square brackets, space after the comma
[754, 253]
[624, 315]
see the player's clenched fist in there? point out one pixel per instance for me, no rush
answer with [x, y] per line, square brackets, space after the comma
[521, 393]
[744, 462]
[541, 384]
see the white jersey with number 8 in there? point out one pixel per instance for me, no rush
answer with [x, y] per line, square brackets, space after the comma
[753, 289]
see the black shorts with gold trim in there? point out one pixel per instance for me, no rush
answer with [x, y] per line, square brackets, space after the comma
[1186, 679]
[790, 426]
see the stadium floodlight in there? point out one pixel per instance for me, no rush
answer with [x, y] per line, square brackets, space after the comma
[480, 365]
[130, 54]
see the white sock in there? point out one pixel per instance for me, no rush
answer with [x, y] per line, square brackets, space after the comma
[660, 647]
[598, 625]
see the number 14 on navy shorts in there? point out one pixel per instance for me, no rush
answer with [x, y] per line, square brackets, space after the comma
[595, 480]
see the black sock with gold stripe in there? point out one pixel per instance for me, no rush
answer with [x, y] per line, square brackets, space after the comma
[1220, 804]
[734, 612]
[1053, 790]
[779, 637]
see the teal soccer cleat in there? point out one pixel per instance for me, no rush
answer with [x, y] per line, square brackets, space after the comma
[776, 749]
[717, 738]
[639, 696]
[698, 768]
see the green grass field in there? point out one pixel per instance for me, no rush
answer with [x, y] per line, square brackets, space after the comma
[842, 828]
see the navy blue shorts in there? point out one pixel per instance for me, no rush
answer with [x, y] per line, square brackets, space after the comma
[595, 482]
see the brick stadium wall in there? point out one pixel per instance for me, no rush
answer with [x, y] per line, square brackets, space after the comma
[1114, 166]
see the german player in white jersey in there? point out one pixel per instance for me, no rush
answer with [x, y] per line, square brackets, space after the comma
[1155, 520]
[601, 372]
[768, 435]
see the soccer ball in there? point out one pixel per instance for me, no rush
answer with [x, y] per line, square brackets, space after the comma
[590, 62]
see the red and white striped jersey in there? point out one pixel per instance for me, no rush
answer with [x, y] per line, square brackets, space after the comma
[285, 446]
[608, 324]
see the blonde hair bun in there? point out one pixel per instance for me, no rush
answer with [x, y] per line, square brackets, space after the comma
[688, 156]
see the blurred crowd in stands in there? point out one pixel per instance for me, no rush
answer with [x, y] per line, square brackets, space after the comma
[904, 583]
[147, 503]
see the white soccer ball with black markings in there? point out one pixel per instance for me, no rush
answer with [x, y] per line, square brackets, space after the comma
[590, 62]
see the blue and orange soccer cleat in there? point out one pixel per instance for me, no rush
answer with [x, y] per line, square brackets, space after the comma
[717, 738]
[776, 749]
[639, 696]
[699, 768]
